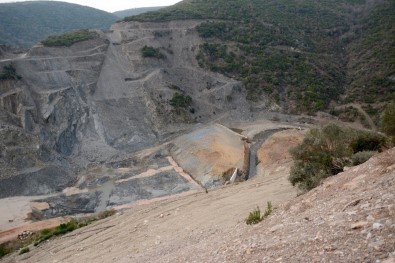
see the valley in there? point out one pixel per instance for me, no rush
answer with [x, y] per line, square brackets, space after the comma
[179, 122]
[90, 127]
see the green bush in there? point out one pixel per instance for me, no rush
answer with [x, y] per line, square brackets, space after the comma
[368, 141]
[180, 101]
[9, 72]
[68, 39]
[151, 52]
[3, 251]
[388, 121]
[255, 215]
[65, 228]
[24, 250]
[324, 152]
[45, 232]
[361, 157]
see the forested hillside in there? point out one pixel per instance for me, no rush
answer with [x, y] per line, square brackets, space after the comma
[304, 54]
[136, 11]
[25, 23]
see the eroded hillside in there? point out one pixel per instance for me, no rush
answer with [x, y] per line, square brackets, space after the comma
[101, 98]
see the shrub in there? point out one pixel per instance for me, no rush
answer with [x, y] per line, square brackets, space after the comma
[106, 213]
[3, 251]
[319, 156]
[24, 250]
[65, 228]
[151, 52]
[388, 121]
[361, 157]
[45, 232]
[68, 39]
[255, 215]
[268, 211]
[9, 72]
[324, 152]
[180, 101]
[368, 141]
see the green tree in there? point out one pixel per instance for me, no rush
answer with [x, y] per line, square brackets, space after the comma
[68, 39]
[180, 101]
[9, 72]
[151, 52]
[322, 153]
[388, 121]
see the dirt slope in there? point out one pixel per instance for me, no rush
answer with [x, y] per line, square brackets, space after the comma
[350, 218]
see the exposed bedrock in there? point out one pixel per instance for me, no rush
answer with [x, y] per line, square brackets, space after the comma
[101, 98]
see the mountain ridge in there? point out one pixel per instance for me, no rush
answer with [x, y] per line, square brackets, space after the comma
[24, 24]
[136, 11]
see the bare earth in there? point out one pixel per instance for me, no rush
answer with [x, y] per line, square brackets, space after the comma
[350, 218]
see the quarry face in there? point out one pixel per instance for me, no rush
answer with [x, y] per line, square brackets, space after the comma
[90, 126]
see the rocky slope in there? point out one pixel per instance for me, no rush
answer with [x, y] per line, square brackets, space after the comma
[349, 218]
[101, 99]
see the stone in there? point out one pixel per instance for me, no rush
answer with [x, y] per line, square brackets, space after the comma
[377, 226]
[389, 260]
[276, 227]
[329, 248]
[370, 218]
[359, 225]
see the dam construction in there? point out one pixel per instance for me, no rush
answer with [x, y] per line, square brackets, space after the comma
[207, 131]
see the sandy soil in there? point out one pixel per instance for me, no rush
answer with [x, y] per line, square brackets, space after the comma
[10, 234]
[14, 211]
[273, 151]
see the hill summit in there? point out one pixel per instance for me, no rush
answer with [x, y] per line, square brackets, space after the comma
[23, 24]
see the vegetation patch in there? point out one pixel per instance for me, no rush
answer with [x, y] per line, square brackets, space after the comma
[255, 215]
[297, 53]
[361, 157]
[347, 114]
[46, 234]
[388, 121]
[4, 250]
[24, 24]
[324, 152]
[180, 101]
[24, 250]
[9, 72]
[68, 39]
[151, 52]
